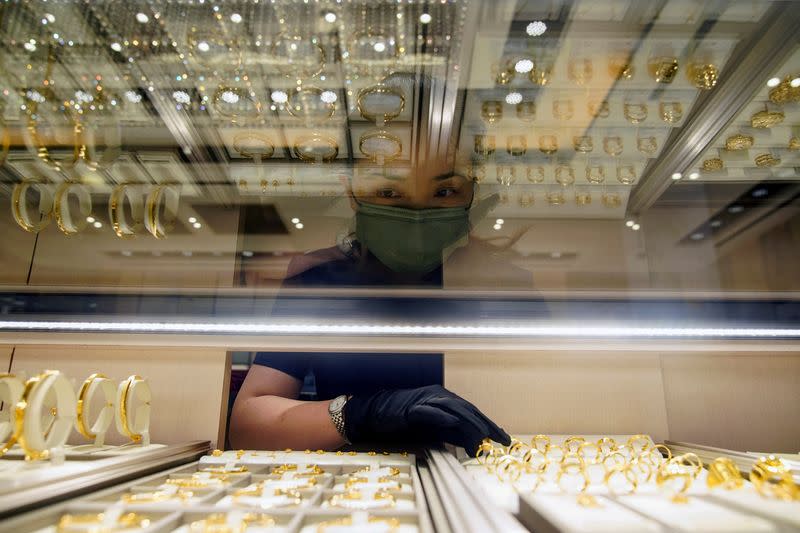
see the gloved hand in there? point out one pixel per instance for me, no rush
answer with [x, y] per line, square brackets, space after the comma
[425, 416]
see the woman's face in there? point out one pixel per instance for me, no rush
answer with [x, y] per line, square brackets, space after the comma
[403, 187]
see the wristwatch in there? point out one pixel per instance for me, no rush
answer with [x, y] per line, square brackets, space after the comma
[336, 410]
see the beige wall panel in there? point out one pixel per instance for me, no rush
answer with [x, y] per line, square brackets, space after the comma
[548, 392]
[5, 358]
[189, 385]
[743, 402]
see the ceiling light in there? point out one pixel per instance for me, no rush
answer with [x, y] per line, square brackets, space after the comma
[50, 17]
[498, 227]
[247, 253]
[182, 97]
[630, 223]
[30, 47]
[197, 225]
[716, 223]
[735, 209]
[523, 65]
[773, 82]
[500, 221]
[229, 97]
[425, 18]
[328, 97]
[635, 227]
[192, 220]
[90, 220]
[116, 47]
[694, 175]
[330, 16]
[536, 28]
[696, 236]
[133, 97]
[299, 225]
[677, 175]
[380, 46]
[236, 18]
[141, 17]
[513, 98]
[795, 82]
[295, 220]
[203, 46]
[279, 97]
[759, 193]
[97, 224]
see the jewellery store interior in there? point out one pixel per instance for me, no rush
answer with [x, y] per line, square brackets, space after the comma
[399, 265]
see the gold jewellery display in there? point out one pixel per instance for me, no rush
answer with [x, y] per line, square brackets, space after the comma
[485, 145]
[86, 522]
[767, 160]
[161, 210]
[376, 524]
[738, 142]
[222, 523]
[308, 103]
[635, 112]
[89, 388]
[67, 222]
[315, 148]
[124, 226]
[133, 409]
[784, 92]
[492, 111]
[21, 211]
[766, 119]
[595, 174]
[714, 164]
[671, 112]
[704, 76]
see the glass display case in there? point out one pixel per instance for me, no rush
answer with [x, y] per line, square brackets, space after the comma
[585, 215]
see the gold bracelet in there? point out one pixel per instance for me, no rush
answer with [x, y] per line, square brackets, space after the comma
[702, 75]
[35, 442]
[671, 112]
[766, 119]
[595, 174]
[723, 473]
[249, 150]
[583, 144]
[635, 113]
[594, 458]
[572, 464]
[541, 443]
[159, 226]
[606, 445]
[738, 142]
[663, 69]
[381, 136]
[380, 116]
[306, 95]
[638, 443]
[81, 422]
[302, 151]
[126, 423]
[123, 228]
[772, 478]
[34, 140]
[19, 206]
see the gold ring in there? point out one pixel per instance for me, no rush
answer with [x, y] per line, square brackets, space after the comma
[626, 174]
[614, 458]
[492, 111]
[738, 142]
[638, 443]
[572, 464]
[301, 148]
[300, 110]
[635, 113]
[503, 72]
[647, 145]
[19, 206]
[766, 119]
[381, 136]
[548, 144]
[583, 198]
[516, 145]
[572, 444]
[663, 69]
[583, 144]
[723, 472]
[606, 445]
[556, 198]
[595, 174]
[772, 478]
[540, 75]
[612, 145]
[535, 174]
[629, 480]
[157, 224]
[565, 175]
[675, 479]
[563, 109]
[794, 143]
[541, 443]
[384, 116]
[124, 228]
[671, 112]
[767, 160]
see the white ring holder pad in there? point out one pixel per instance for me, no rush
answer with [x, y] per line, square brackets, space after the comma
[106, 416]
[10, 393]
[55, 389]
[135, 394]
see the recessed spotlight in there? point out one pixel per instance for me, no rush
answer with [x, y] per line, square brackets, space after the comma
[229, 97]
[795, 82]
[192, 220]
[279, 97]
[197, 225]
[126, 253]
[425, 18]
[630, 223]
[635, 227]
[97, 224]
[247, 253]
[236, 18]
[30, 47]
[694, 175]
[133, 97]
[330, 17]
[677, 175]
[295, 220]
[716, 223]
[90, 220]
[773, 82]
[299, 225]
[380, 46]
[182, 97]
[513, 98]
[536, 28]
[328, 97]
[523, 65]
[116, 47]
[759, 193]
[203, 46]
[50, 17]
[500, 221]
[735, 209]
[498, 227]
[697, 236]
[141, 17]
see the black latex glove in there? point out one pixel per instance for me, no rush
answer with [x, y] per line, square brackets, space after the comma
[424, 416]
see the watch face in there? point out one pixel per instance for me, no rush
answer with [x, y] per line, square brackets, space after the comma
[337, 404]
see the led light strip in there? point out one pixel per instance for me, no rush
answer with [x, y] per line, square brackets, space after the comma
[400, 330]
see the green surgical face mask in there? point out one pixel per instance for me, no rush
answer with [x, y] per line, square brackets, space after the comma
[415, 241]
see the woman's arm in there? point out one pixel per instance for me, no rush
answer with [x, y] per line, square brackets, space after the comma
[267, 415]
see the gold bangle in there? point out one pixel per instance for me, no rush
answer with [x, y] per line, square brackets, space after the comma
[643, 468]
[611, 200]
[671, 112]
[302, 151]
[613, 145]
[34, 444]
[565, 176]
[580, 71]
[663, 69]
[635, 113]
[516, 145]
[304, 95]
[548, 144]
[629, 479]
[484, 145]
[613, 459]
[34, 140]
[738, 142]
[626, 174]
[526, 111]
[126, 424]
[492, 111]
[249, 150]
[563, 109]
[77, 523]
[647, 145]
[526, 199]
[723, 473]
[289, 65]
[81, 423]
[123, 228]
[514, 446]
[64, 219]
[534, 174]
[159, 226]
[583, 144]
[702, 75]
[235, 97]
[767, 160]
[19, 206]
[595, 174]
[772, 478]
[384, 116]
[601, 109]
[766, 119]
[8, 428]
[376, 156]
[713, 164]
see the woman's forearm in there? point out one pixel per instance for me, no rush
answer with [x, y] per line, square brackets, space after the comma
[275, 423]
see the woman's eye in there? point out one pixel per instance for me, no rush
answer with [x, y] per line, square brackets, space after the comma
[387, 193]
[445, 192]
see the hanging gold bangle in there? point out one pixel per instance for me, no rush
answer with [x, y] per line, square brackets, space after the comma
[19, 206]
[124, 228]
[157, 224]
[384, 116]
[67, 223]
[381, 136]
[300, 111]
